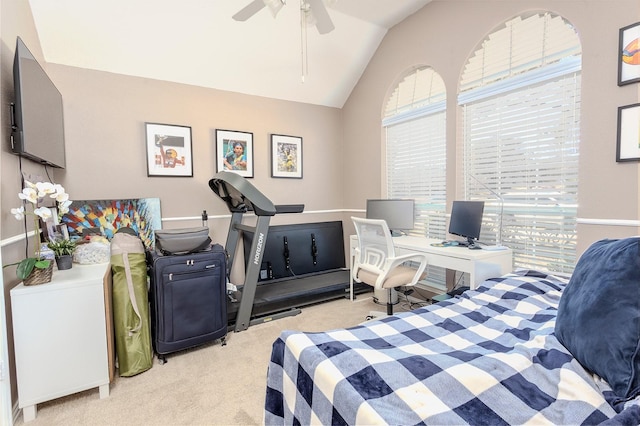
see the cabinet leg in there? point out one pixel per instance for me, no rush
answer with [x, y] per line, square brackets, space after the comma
[104, 391]
[29, 413]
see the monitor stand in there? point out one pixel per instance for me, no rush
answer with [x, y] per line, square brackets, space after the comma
[396, 233]
[472, 245]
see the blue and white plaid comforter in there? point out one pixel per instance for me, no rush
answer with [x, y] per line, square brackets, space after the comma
[488, 357]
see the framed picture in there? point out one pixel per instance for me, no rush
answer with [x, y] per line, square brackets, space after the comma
[629, 55]
[628, 133]
[234, 152]
[286, 156]
[50, 227]
[169, 150]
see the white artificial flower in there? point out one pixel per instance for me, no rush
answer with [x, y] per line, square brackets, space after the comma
[60, 196]
[43, 212]
[35, 192]
[29, 194]
[64, 206]
[59, 192]
[45, 188]
[18, 213]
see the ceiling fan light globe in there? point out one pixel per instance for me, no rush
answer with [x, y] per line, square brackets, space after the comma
[308, 18]
[274, 6]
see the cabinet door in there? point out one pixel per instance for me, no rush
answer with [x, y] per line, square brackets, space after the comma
[60, 343]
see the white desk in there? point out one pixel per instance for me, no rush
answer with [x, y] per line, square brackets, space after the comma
[480, 264]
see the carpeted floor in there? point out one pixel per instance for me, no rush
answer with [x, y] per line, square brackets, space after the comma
[209, 385]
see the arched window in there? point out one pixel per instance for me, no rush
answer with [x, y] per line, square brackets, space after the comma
[520, 102]
[414, 121]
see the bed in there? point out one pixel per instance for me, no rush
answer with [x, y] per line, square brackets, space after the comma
[489, 356]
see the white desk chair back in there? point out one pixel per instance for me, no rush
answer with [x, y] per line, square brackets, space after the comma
[376, 263]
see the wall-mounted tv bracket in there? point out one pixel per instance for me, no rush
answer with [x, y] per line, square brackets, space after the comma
[12, 113]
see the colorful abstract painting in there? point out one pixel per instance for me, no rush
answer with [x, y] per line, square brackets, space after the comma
[141, 214]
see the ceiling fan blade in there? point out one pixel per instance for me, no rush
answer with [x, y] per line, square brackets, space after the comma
[324, 23]
[249, 10]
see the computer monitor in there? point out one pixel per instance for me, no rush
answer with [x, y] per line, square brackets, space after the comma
[398, 213]
[466, 220]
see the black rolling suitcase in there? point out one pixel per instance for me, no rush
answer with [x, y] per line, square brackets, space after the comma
[187, 296]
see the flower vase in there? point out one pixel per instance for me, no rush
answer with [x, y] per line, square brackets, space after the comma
[64, 262]
[39, 275]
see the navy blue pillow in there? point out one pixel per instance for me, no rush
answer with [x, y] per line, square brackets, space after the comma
[599, 314]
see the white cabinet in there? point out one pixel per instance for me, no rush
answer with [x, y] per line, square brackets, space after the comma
[60, 336]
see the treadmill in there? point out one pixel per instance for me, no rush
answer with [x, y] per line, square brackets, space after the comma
[263, 302]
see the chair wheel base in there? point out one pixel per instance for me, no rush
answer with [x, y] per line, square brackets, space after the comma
[373, 315]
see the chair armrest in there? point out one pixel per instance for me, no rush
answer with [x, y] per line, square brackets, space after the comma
[415, 257]
[393, 262]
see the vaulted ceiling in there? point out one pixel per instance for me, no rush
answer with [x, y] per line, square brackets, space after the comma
[197, 42]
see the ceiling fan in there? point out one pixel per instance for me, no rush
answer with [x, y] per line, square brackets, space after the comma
[312, 12]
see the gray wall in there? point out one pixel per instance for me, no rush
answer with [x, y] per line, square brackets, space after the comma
[105, 116]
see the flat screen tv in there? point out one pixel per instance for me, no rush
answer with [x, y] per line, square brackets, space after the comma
[466, 220]
[398, 213]
[37, 124]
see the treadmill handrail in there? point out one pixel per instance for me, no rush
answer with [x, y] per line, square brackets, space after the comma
[289, 208]
[240, 195]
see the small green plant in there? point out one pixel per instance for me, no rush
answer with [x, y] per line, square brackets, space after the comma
[62, 247]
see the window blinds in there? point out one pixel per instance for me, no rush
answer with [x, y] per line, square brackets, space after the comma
[520, 125]
[416, 166]
[416, 154]
[525, 43]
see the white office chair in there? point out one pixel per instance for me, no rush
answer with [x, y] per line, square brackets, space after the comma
[376, 263]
